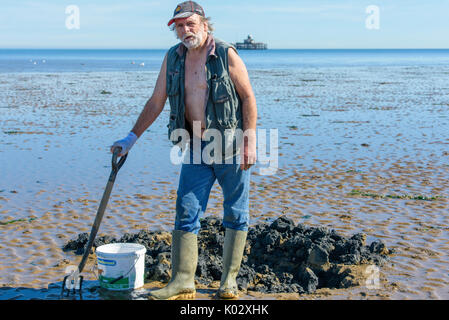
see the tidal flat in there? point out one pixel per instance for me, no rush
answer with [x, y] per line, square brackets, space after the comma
[360, 149]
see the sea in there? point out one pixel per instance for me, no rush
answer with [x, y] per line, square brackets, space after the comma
[89, 60]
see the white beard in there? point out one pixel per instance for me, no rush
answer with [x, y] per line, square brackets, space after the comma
[194, 42]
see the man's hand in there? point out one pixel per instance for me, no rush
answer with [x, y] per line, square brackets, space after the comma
[249, 151]
[125, 144]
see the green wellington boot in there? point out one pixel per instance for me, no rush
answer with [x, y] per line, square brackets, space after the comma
[234, 244]
[184, 259]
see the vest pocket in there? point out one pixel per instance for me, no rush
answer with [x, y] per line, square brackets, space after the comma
[171, 124]
[172, 120]
[222, 98]
[173, 83]
[173, 80]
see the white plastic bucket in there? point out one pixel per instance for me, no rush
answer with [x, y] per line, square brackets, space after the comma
[126, 260]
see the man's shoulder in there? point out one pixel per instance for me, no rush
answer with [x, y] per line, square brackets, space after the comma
[221, 48]
[222, 43]
[174, 48]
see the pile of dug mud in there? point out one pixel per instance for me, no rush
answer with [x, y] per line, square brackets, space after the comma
[280, 257]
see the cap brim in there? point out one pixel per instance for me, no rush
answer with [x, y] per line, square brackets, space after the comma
[180, 16]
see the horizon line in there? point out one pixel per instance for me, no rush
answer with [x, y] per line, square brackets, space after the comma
[239, 50]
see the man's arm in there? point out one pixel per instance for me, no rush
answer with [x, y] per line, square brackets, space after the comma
[154, 105]
[240, 78]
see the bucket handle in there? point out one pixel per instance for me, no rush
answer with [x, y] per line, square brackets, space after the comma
[124, 275]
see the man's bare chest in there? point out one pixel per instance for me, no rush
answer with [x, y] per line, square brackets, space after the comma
[195, 77]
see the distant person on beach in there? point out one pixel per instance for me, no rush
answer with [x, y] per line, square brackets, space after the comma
[211, 101]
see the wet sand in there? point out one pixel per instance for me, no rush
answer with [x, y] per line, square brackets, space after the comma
[360, 150]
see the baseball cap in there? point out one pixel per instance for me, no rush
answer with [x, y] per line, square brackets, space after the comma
[185, 10]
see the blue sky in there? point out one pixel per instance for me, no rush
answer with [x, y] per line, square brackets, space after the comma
[282, 23]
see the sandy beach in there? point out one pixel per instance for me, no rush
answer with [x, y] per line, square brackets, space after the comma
[360, 150]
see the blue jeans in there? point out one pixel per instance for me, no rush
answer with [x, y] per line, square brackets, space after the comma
[195, 184]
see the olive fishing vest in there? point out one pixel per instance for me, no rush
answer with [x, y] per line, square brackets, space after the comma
[223, 106]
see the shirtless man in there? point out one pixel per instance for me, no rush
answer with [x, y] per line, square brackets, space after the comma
[208, 87]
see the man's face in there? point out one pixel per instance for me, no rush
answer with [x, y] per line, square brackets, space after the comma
[191, 31]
